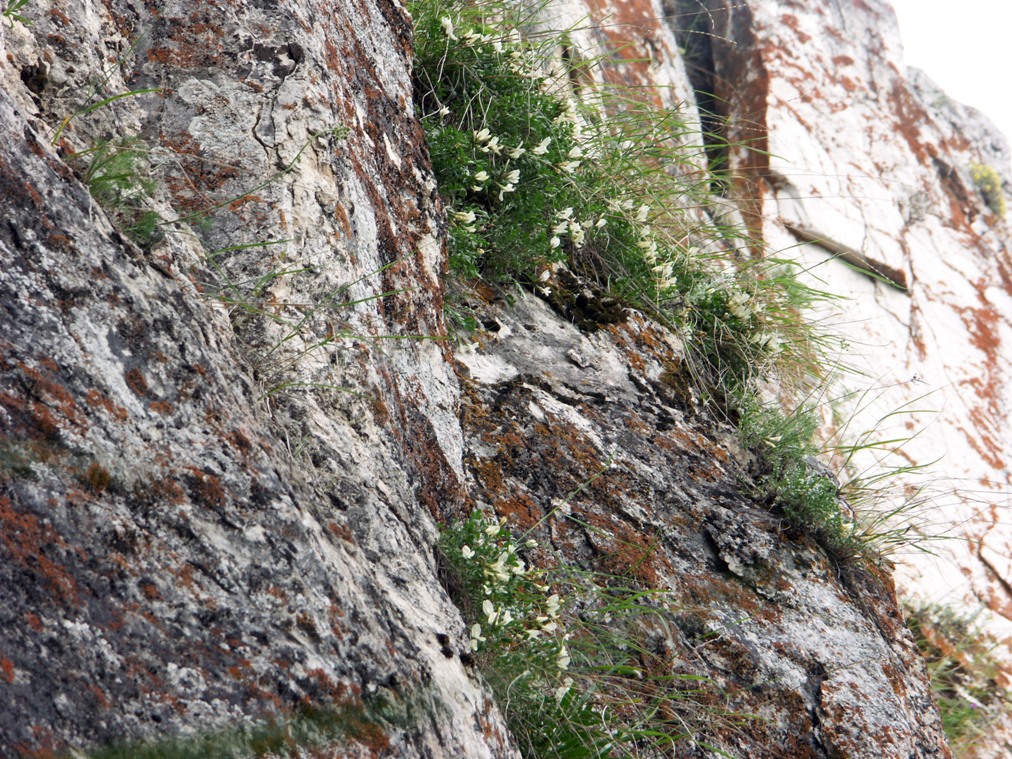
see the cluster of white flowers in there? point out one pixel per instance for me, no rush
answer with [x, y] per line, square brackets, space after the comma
[574, 155]
[514, 609]
[480, 179]
[490, 144]
[767, 341]
[523, 64]
[466, 219]
[566, 225]
[473, 38]
[738, 305]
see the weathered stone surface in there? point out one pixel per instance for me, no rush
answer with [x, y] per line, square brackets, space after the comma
[179, 547]
[632, 481]
[869, 165]
[199, 523]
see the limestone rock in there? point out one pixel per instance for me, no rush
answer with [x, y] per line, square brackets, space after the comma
[869, 166]
[189, 537]
[226, 444]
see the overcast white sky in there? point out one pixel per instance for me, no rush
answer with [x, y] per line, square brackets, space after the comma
[965, 46]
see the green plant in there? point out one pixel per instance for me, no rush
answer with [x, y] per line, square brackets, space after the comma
[10, 11]
[537, 175]
[119, 176]
[865, 502]
[97, 106]
[573, 657]
[365, 722]
[989, 184]
[964, 673]
[789, 477]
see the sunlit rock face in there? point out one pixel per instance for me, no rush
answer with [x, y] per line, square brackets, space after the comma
[867, 179]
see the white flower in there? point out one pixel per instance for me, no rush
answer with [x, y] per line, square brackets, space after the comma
[569, 166]
[554, 602]
[663, 271]
[467, 217]
[737, 305]
[550, 627]
[493, 529]
[533, 633]
[466, 552]
[601, 222]
[649, 246]
[507, 617]
[555, 242]
[769, 341]
[444, 111]
[642, 214]
[497, 46]
[532, 543]
[560, 228]
[542, 147]
[543, 277]
[562, 690]
[565, 213]
[517, 152]
[576, 152]
[476, 637]
[448, 27]
[493, 145]
[488, 609]
[564, 659]
[513, 176]
[482, 135]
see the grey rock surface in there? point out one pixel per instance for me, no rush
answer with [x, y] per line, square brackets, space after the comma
[190, 537]
[618, 472]
[225, 452]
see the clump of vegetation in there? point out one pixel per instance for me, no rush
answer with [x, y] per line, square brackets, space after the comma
[119, 176]
[790, 478]
[362, 723]
[576, 661]
[11, 9]
[604, 184]
[964, 673]
[989, 185]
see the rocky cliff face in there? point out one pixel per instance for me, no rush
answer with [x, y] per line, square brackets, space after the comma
[183, 542]
[227, 452]
[869, 175]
